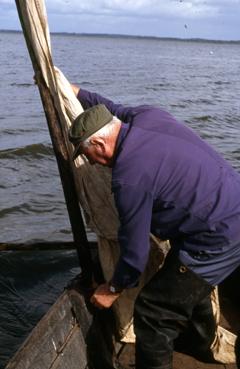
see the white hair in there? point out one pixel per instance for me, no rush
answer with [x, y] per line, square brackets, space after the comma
[105, 131]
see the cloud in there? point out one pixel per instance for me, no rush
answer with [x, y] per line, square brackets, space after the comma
[140, 8]
[146, 8]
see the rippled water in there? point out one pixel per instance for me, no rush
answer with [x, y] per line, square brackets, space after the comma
[196, 81]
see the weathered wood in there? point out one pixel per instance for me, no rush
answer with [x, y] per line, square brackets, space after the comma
[187, 362]
[59, 340]
[81, 312]
[69, 336]
[58, 137]
[74, 355]
[98, 331]
[42, 246]
[126, 361]
[45, 343]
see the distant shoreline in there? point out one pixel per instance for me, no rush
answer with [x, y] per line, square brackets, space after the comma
[134, 37]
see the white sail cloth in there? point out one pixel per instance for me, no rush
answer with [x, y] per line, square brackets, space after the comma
[94, 183]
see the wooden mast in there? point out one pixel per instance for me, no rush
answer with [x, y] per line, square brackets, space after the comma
[63, 160]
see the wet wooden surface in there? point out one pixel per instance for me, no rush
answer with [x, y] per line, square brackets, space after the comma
[44, 344]
[180, 361]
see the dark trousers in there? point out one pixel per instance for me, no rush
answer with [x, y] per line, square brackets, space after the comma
[172, 307]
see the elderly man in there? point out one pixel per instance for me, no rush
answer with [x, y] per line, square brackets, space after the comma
[167, 180]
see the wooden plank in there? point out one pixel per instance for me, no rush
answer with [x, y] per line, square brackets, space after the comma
[81, 311]
[45, 342]
[187, 362]
[74, 354]
[127, 361]
[67, 336]
[97, 327]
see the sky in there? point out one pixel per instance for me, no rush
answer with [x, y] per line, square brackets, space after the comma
[209, 19]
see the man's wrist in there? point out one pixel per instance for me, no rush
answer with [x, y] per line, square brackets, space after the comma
[114, 289]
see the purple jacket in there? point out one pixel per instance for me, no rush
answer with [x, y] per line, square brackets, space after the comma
[167, 180]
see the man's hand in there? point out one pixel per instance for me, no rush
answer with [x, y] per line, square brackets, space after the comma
[103, 298]
[75, 89]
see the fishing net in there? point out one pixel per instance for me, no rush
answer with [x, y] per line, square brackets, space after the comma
[94, 185]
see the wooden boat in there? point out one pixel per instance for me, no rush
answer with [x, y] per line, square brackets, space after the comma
[57, 339]
[75, 335]
[72, 335]
[68, 336]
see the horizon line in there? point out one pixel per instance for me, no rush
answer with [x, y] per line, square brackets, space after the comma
[112, 35]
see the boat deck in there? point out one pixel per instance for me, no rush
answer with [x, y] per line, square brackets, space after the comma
[180, 361]
[74, 335]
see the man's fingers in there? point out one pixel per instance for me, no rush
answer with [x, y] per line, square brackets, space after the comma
[94, 301]
[103, 298]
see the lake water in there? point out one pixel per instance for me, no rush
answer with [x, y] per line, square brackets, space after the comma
[198, 82]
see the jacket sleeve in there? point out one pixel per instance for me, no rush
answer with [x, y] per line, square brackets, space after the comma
[89, 99]
[135, 210]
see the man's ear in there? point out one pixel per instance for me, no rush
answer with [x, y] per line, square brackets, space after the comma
[99, 141]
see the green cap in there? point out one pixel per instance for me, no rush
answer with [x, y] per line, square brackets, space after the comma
[87, 123]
